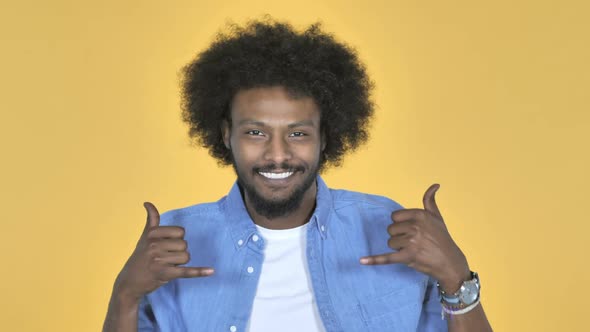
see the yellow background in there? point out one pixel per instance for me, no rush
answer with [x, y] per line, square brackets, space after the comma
[488, 99]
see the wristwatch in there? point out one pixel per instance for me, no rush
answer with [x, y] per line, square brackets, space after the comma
[465, 296]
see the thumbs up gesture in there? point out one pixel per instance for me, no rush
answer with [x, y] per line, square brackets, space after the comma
[421, 241]
[156, 259]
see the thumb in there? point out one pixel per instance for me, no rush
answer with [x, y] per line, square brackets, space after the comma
[153, 216]
[429, 202]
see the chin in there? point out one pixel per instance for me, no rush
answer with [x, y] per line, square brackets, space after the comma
[277, 198]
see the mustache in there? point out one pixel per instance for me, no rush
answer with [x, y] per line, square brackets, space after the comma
[275, 167]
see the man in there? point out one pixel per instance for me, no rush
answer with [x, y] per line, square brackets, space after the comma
[282, 251]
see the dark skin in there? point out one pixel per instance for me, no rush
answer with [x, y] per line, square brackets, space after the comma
[271, 127]
[422, 242]
[154, 262]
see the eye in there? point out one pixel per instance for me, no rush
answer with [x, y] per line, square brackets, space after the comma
[297, 134]
[254, 132]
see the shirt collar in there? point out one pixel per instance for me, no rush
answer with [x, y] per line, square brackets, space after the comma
[242, 227]
[323, 208]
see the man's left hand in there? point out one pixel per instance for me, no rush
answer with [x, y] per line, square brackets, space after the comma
[421, 241]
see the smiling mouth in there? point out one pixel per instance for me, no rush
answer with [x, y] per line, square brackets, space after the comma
[276, 176]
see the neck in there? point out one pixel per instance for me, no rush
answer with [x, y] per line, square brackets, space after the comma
[294, 219]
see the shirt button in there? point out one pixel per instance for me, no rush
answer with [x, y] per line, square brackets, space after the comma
[233, 328]
[255, 237]
[323, 228]
[240, 242]
[250, 269]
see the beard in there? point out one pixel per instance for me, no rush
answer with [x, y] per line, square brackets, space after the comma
[272, 208]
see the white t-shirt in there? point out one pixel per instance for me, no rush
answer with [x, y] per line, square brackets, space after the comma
[284, 298]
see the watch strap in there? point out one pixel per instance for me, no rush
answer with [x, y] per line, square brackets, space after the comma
[454, 299]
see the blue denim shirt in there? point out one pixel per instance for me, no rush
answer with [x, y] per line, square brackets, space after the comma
[350, 297]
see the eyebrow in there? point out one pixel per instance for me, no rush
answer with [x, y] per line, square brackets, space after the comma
[305, 123]
[251, 122]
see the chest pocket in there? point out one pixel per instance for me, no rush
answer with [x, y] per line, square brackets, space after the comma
[397, 310]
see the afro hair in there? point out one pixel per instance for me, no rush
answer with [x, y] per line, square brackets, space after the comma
[267, 53]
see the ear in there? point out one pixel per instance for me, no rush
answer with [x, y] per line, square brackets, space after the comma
[323, 140]
[225, 132]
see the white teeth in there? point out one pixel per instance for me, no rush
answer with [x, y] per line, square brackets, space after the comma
[276, 175]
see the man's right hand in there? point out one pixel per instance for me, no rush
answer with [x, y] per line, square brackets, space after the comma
[156, 259]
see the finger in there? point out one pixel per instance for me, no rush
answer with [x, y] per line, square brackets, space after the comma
[401, 228]
[403, 215]
[429, 201]
[170, 244]
[153, 216]
[398, 242]
[166, 232]
[173, 258]
[175, 272]
[390, 258]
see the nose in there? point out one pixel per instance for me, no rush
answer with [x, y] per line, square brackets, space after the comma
[278, 150]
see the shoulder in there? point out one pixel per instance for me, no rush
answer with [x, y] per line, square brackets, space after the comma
[346, 198]
[358, 209]
[201, 211]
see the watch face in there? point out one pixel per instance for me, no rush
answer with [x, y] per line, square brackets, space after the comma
[469, 292]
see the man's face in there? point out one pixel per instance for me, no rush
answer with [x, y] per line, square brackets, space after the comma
[276, 144]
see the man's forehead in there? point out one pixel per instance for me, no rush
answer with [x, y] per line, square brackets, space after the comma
[273, 104]
[258, 122]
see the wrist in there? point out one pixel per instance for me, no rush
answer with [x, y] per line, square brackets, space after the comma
[123, 296]
[125, 300]
[124, 308]
[467, 294]
[454, 279]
